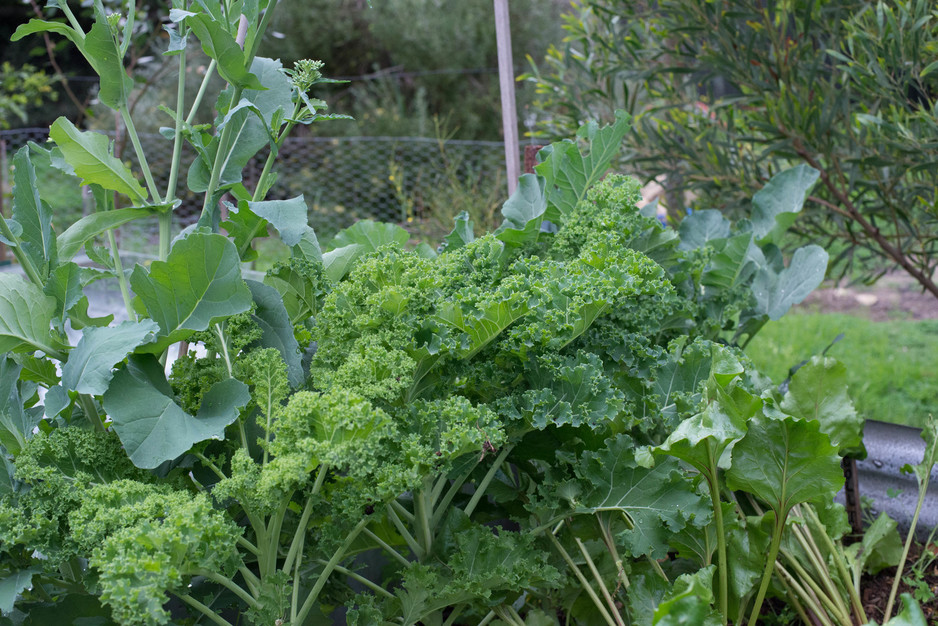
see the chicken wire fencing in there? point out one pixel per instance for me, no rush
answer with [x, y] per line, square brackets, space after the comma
[407, 180]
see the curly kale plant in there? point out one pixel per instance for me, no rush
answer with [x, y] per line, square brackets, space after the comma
[436, 435]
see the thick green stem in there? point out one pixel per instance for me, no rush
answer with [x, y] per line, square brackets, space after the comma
[423, 511]
[91, 411]
[827, 600]
[795, 590]
[712, 478]
[489, 476]
[269, 565]
[408, 538]
[204, 610]
[583, 582]
[63, 5]
[611, 547]
[221, 159]
[441, 508]
[599, 582]
[381, 591]
[304, 520]
[806, 539]
[121, 277]
[387, 548]
[261, 29]
[769, 566]
[454, 614]
[200, 94]
[327, 571]
[228, 584]
[402, 511]
[922, 489]
[141, 155]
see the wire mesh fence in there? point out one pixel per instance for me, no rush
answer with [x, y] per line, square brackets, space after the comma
[394, 179]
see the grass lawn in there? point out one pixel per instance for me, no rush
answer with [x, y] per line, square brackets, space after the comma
[892, 366]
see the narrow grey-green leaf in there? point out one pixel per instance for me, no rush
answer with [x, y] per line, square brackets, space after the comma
[104, 56]
[289, 217]
[25, 316]
[200, 281]
[89, 153]
[338, 262]
[87, 228]
[776, 293]
[65, 285]
[37, 238]
[152, 427]
[89, 365]
[219, 44]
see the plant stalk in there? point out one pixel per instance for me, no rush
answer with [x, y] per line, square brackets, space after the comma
[769, 566]
[482, 486]
[327, 571]
[204, 610]
[583, 582]
[141, 156]
[922, 489]
[712, 479]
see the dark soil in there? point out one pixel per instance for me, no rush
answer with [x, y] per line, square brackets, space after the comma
[921, 582]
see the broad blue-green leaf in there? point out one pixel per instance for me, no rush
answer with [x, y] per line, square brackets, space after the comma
[371, 235]
[16, 424]
[818, 391]
[37, 239]
[37, 369]
[569, 174]
[88, 369]
[776, 293]
[25, 316]
[102, 53]
[785, 462]
[733, 262]
[658, 501]
[243, 226]
[87, 228]
[13, 585]
[200, 281]
[339, 262]
[702, 226]
[289, 217]
[89, 153]
[308, 247]
[219, 44]
[462, 232]
[152, 427]
[56, 402]
[277, 329]
[524, 211]
[775, 206]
